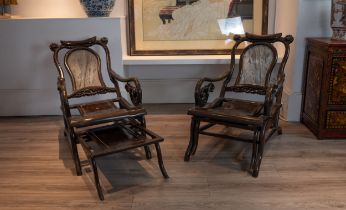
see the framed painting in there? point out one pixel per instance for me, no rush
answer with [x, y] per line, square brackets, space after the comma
[192, 27]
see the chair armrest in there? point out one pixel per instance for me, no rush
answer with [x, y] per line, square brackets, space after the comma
[135, 91]
[271, 92]
[202, 93]
[65, 107]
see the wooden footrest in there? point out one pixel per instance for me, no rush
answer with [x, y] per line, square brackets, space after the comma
[116, 138]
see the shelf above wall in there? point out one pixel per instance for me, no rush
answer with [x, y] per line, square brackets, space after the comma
[180, 60]
[176, 60]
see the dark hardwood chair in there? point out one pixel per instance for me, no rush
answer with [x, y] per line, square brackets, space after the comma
[91, 99]
[258, 73]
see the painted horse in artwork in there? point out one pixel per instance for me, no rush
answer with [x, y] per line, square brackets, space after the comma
[166, 13]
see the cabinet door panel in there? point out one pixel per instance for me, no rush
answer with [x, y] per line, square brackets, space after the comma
[313, 86]
[337, 81]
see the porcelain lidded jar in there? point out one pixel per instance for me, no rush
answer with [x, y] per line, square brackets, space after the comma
[98, 8]
[338, 19]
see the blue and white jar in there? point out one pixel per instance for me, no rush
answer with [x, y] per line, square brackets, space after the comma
[98, 8]
[338, 19]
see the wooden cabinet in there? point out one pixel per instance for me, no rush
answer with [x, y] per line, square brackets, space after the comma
[324, 102]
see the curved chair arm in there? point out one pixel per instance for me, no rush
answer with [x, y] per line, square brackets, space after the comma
[135, 91]
[271, 92]
[202, 93]
[65, 106]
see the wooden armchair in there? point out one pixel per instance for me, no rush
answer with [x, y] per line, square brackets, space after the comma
[81, 62]
[254, 76]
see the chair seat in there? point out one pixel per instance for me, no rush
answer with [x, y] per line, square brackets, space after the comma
[239, 111]
[101, 112]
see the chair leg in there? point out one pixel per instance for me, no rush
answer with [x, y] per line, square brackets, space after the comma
[75, 155]
[276, 123]
[160, 161]
[192, 141]
[147, 152]
[254, 149]
[188, 151]
[259, 152]
[97, 180]
[196, 133]
[146, 148]
[279, 130]
[66, 128]
[258, 160]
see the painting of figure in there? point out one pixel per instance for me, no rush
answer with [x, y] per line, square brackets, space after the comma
[179, 20]
[186, 27]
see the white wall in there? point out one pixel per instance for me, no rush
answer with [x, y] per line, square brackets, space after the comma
[28, 75]
[161, 81]
[302, 19]
[172, 83]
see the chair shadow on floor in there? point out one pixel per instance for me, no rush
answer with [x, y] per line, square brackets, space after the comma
[233, 155]
[65, 152]
[120, 171]
[125, 170]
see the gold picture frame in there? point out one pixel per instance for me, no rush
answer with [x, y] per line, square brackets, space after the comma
[189, 27]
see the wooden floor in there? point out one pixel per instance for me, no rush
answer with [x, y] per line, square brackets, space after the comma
[298, 171]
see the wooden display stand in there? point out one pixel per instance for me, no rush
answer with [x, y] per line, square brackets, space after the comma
[324, 102]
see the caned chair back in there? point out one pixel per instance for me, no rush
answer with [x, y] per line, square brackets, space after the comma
[257, 63]
[84, 67]
[82, 62]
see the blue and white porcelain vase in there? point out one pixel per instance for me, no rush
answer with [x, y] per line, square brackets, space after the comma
[338, 19]
[98, 8]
